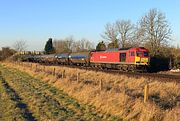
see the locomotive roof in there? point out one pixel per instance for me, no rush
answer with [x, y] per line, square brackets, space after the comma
[117, 49]
[127, 48]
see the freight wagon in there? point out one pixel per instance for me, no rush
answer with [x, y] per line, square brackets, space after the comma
[62, 58]
[79, 58]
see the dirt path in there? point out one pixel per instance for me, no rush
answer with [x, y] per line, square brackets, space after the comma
[36, 100]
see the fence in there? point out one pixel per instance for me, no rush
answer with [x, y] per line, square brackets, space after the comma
[62, 75]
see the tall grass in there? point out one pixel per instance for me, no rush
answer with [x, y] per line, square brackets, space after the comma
[121, 95]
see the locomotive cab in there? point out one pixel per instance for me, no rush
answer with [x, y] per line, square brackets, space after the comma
[142, 56]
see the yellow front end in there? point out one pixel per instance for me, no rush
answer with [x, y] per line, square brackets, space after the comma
[141, 60]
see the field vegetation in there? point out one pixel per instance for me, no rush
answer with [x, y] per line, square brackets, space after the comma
[119, 95]
[26, 98]
[10, 104]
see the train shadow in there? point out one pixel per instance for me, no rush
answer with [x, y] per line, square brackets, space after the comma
[162, 103]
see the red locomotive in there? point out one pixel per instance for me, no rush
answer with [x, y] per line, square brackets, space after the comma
[123, 59]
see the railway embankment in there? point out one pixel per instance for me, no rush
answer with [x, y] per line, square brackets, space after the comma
[120, 95]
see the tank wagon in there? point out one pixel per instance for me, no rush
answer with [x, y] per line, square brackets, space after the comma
[62, 58]
[48, 59]
[79, 58]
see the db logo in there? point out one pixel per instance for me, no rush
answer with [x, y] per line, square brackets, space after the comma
[103, 57]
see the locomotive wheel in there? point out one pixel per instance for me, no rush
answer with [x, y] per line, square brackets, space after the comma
[131, 68]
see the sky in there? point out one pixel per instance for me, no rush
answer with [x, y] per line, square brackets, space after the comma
[34, 21]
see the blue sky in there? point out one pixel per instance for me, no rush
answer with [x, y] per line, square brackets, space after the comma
[36, 20]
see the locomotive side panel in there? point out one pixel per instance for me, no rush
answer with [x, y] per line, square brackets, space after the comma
[104, 57]
[119, 57]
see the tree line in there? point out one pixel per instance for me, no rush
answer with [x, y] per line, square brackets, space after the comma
[152, 31]
[7, 52]
[68, 44]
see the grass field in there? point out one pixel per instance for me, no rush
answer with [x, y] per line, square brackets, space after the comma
[26, 98]
[121, 97]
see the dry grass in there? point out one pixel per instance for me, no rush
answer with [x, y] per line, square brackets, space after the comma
[121, 96]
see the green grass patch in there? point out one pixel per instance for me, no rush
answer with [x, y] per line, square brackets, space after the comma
[46, 102]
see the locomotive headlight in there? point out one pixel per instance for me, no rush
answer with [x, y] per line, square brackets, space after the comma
[144, 60]
[137, 59]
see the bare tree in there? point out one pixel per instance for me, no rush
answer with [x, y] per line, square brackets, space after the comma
[64, 45]
[70, 45]
[125, 29]
[110, 33]
[155, 30]
[138, 38]
[6, 52]
[20, 45]
[69, 42]
[86, 44]
[83, 45]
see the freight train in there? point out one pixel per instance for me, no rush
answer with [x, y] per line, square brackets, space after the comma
[125, 59]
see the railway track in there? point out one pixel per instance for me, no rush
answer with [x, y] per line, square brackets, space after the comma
[149, 76]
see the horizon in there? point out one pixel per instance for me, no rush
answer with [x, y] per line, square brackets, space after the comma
[36, 21]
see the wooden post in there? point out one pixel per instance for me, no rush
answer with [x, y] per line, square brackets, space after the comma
[78, 74]
[44, 68]
[63, 74]
[124, 96]
[146, 93]
[54, 71]
[31, 65]
[124, 91]
[100, 84]
[36, 67]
